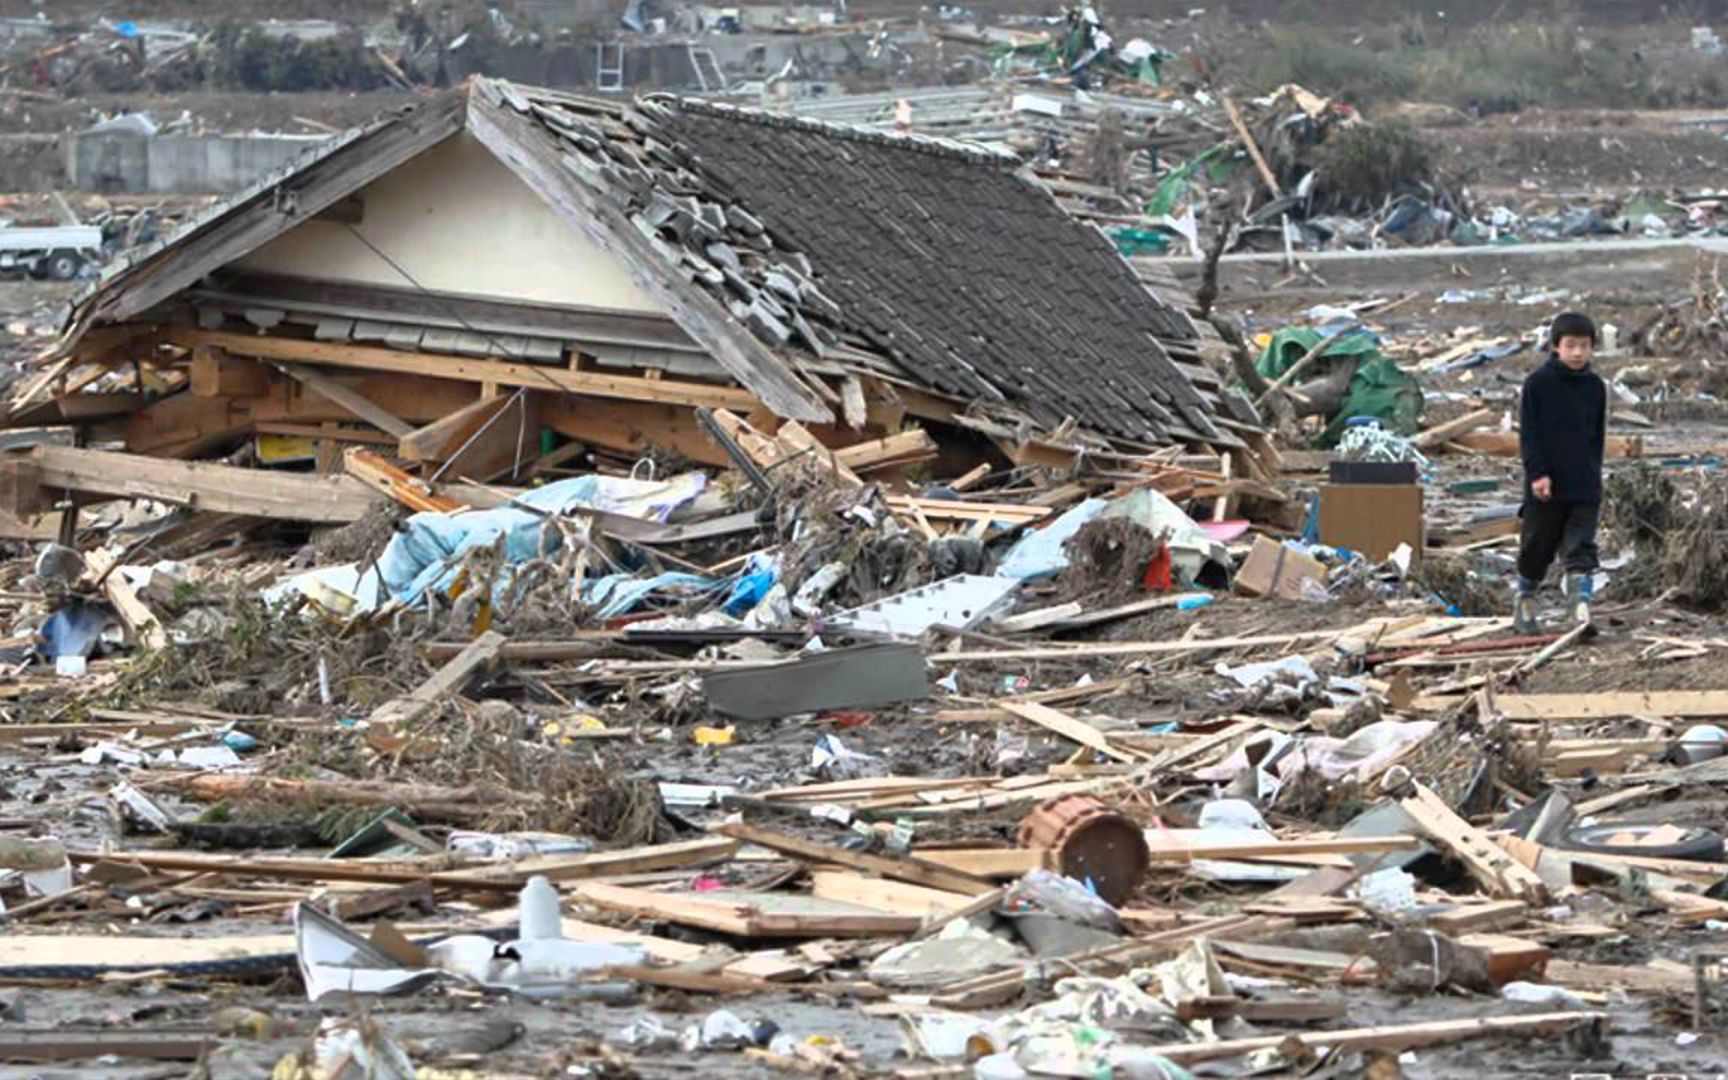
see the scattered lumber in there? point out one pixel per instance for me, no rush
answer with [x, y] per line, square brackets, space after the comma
[916, 871]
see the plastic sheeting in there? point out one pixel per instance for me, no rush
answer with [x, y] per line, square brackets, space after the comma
[425, 554]
[1040, 554]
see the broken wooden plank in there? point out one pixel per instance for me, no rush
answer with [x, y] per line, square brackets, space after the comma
[1391, 1037]
[381, 476]
[1476, 918]
[1636, 979]
[881, 894]
[989, 862]
[915, 870]
[1128, 610]
[1606, 705]
[944, 509]
[1165, 849]
[1441, 434]
[1496, 871]
[743, 919]
[443, 683]
[439, 439]
[146, 629]
[1070, 728]
[1037, 619]
[202, 485]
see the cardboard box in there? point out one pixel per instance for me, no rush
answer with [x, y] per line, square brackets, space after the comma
[1272, 569]
[1373, 519]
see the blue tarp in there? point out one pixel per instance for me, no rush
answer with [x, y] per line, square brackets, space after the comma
[427, 552]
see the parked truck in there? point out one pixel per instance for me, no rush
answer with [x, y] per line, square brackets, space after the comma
[58, 251]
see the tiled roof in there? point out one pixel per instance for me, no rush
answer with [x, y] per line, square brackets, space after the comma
[937, 253]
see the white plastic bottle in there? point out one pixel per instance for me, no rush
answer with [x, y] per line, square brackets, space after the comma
[538, 910]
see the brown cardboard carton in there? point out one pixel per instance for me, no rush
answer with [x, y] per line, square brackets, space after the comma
[1372, 519]
[1272, 569]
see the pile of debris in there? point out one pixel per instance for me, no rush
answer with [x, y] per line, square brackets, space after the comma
[761, 609]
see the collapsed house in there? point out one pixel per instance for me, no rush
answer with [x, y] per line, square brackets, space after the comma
[502, 276]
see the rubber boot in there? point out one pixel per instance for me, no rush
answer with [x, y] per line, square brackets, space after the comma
[1580, 590]
[1524, 621]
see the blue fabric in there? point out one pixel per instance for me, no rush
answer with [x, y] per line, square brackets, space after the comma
[74, 629]
[427, 552]
[617, 594]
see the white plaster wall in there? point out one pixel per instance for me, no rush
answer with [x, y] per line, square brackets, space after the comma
[459, 222]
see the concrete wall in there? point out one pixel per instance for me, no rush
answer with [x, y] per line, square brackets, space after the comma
[176, 164]
[455, 220]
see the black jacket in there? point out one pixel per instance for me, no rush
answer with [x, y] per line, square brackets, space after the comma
[1562, 425]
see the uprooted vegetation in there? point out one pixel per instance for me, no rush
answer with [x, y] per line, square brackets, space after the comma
[1676, 540]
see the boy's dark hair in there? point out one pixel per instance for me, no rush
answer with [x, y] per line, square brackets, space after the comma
[1571, 324]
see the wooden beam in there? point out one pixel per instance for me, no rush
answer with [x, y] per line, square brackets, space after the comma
[502, 435]
[444, 684]
[203, 485]
[521, 144]
[1267, 177]
[437, 440]
[916, 871]
[914, 444]
[479, 370]
[184, 424]
[632, 427]
[347, 397]
[216, 374]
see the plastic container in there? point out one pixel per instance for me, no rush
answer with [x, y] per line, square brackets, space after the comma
[539, 918]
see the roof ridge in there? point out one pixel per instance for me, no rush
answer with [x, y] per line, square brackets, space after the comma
[972, 152]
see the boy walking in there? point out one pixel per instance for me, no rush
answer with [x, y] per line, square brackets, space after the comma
[1562, 425]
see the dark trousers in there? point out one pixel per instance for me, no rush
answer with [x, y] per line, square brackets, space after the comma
[1548, 529]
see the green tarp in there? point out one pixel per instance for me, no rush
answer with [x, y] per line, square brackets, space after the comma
[1379, 388]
